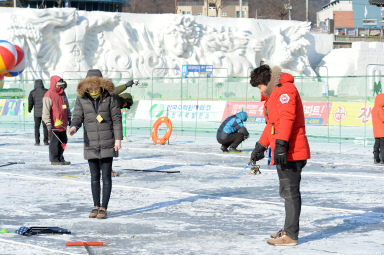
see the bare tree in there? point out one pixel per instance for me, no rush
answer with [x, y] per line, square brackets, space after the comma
[152, 6]
[218, 4]
[269, 9]
[133, 6]
[283, 13]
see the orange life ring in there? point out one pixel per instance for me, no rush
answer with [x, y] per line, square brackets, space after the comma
[155, 127]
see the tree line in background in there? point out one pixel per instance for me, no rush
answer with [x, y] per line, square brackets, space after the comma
[265, 9]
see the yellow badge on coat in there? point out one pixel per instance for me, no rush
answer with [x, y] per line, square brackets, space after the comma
[64, 106]
[99, 118]
[58, 123]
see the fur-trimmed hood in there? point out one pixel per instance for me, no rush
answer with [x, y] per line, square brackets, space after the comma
[94, 82]
[277, 77]
[275, 80]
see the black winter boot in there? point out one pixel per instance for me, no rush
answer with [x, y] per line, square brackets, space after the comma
[231, 149]
[376, 157]
[224, 148]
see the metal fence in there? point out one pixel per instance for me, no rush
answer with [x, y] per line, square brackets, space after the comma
[337, 109]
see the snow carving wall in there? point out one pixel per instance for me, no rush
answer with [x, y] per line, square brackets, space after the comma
[61, 41]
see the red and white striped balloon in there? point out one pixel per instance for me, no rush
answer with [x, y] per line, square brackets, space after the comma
[20, 64]
[8, 56]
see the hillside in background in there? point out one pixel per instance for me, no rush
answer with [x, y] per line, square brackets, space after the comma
[266, 9]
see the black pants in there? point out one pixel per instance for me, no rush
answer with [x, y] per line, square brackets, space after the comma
[289, 179]
[378, 149]
[233, 140]
[55, 148]
[105, 165]
[37, 130]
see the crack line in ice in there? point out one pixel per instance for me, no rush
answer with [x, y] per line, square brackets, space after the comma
[230, 167]
[35, 246]
[270, 170]
[245, 200]
[247, 156]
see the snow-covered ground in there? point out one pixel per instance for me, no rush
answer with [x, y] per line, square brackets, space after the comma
[213, 206]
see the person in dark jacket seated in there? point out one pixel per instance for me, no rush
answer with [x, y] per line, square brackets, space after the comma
[232, 132]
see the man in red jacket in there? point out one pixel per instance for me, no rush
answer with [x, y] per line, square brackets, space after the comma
[378, 129]
[285, 134]
[57, 116]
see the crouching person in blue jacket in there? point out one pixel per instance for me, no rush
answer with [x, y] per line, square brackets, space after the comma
[232, 132]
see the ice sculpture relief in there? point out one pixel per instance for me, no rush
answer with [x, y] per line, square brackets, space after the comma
[58, 41]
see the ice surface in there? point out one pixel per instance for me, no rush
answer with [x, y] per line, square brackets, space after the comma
[214, 206]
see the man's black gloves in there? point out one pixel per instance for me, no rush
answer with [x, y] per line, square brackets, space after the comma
[49, 127]
[280, 153]
[69, 122]
[129, 83]
[258, 152]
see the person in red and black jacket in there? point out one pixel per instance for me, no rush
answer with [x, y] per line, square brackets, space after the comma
[285, 134]
[57, 116]
[378, 129]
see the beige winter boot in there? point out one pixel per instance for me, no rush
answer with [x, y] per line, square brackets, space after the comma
[278, 234]
[283, 240]
[94, 212]
[102, 213]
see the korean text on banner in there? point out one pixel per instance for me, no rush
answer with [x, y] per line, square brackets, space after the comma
[351, 114]
[177, 110]
[315, 113]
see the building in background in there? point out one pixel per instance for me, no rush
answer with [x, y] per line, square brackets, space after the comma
[213, 8]
[98, 5]
[352, 17]
[6, 3]
[379, 3]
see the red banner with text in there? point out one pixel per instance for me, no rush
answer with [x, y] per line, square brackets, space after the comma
[315, 113]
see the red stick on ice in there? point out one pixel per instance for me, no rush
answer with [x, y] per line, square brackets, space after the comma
[63, 145]
[85, 245]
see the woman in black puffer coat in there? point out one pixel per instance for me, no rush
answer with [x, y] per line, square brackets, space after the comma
[97, 109]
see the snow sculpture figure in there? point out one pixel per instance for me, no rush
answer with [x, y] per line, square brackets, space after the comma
[144, 45]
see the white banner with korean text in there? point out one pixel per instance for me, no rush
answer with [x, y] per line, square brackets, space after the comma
[190, 110]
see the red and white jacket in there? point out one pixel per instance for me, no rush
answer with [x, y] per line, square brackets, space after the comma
[378, 116]
[56, 110]
[284, 115]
